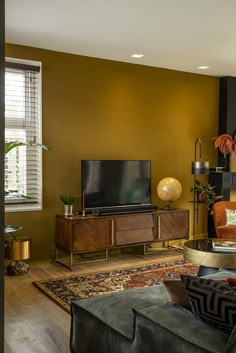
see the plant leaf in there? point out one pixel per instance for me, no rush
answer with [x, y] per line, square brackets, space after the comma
[13, 144]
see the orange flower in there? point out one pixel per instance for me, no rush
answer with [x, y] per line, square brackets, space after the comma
[226, 144]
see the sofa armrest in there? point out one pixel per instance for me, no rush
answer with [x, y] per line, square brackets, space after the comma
[231, 346]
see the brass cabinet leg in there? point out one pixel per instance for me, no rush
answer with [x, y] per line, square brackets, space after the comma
[71, 261]
[55, 256]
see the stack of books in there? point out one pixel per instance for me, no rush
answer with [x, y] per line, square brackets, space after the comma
[224, 245]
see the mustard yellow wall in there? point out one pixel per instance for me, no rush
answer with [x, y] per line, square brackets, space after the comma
[101, 109]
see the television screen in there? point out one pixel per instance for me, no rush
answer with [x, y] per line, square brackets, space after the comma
[109, 183]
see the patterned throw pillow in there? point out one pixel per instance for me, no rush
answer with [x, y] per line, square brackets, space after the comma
[212, 301]
[230, 217]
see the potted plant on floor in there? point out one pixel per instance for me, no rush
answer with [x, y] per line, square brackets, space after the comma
[68, 201]
[9, 146]
[18, 248]
[206, 194]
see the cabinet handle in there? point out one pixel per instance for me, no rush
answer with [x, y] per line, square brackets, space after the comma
[112, 231]
[158, 227]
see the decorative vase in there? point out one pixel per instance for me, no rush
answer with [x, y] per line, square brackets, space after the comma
[201, 197]
[68, 210]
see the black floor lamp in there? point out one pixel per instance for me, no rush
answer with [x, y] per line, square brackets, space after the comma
[199, 167]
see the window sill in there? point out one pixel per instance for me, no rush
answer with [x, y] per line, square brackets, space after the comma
[23, 207]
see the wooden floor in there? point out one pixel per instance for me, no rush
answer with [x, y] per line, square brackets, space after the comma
[35, 324]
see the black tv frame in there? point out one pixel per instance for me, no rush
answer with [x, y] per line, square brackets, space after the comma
[115, 207]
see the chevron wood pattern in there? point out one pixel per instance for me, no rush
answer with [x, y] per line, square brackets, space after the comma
[91, 235]
[173, 225]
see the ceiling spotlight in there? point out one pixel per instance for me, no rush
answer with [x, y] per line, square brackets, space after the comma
[203, 67]
[137, 56]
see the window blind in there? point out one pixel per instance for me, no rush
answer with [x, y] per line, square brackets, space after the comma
[23, 167]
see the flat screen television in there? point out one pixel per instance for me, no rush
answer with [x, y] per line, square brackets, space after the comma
[115, 183]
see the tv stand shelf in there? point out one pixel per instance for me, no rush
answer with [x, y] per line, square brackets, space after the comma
[83, 234]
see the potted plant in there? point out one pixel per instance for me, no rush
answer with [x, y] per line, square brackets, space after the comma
[205, 194]
[18, 248]
[68, 201]
[9, 146]
[227, 146]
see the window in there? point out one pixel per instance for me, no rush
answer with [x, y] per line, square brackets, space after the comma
[23, 165]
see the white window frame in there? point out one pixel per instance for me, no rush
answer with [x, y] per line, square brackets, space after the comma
[27, 206]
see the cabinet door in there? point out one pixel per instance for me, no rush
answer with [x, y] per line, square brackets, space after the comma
[63, 233]
[173, 225]
[134, 229]
[92, 234]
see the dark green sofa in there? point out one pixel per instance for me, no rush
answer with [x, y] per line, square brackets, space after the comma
[142, 321]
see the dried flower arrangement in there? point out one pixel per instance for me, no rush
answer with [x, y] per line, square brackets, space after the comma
[226, 144]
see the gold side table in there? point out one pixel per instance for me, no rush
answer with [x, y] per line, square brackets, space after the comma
[200, 252]
[17, 249]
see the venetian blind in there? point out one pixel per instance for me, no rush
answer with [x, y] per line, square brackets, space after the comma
[22, 123]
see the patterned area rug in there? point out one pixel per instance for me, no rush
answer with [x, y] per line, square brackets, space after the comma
[63, 290]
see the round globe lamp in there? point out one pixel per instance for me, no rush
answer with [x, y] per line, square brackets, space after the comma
[169, 190]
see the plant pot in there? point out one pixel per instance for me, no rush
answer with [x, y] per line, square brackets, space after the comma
[18, 249]
[68, 210]
[201, 197]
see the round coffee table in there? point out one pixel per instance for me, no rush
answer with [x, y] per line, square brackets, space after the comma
[201, 252]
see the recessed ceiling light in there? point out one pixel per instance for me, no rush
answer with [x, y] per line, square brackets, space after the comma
[203, 67]
[138, 56]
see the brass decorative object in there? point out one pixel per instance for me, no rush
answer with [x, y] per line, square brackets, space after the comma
[17, 249]
[200, 252]
[198, 167]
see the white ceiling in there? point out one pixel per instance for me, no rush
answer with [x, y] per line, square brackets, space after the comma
[175, 34]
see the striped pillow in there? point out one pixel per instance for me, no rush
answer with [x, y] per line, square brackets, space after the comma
[212, 301]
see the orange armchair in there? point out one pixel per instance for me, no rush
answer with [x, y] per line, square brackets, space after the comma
[222, 230]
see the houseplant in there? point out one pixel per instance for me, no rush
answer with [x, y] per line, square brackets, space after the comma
[9, 146]
[14, 144]
[68, 201]
[205, 194]
[18, 248]
[227, 146]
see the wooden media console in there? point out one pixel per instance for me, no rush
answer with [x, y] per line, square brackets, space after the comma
[82, 234]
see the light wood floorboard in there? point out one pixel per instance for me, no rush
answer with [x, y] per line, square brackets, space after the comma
[34, 323]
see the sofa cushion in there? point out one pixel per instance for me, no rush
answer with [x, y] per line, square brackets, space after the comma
[115, 309]
[226, 232]
[212, 301]
[170, 328]
[221, 274]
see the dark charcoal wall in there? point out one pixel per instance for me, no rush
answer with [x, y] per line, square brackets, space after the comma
[227, 110]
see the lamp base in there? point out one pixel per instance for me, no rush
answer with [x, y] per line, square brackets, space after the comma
[167, 206]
